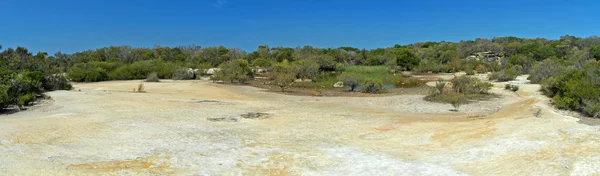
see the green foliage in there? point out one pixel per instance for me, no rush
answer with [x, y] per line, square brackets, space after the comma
[508, 74]
[306, 69]
[511, 87]
[235, 70]
[439, 88]
[470, 85]
[152, 77]
[56, 82]
[91, 75]
[283, 80]
[464, 90]
[261, 62]
[25, 100]
[576, 89]
[403, 58]
[5, 98]
[546, 69]
[455, 99]
[374, 86]
[141, 69]
[351, 80]
[184, 74]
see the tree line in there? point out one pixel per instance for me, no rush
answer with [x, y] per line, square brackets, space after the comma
[563, 66]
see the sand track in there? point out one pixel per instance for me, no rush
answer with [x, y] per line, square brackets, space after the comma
[105, 129]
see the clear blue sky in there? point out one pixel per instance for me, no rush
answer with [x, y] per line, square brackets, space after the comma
[76, 25]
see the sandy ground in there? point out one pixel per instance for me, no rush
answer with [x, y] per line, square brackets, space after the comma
[105, 129]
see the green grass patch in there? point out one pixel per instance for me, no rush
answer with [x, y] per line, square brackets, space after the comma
[327, 79]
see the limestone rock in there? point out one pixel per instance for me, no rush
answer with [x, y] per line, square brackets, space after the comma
[338, 84]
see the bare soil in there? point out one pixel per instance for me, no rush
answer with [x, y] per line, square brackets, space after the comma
[106, 129]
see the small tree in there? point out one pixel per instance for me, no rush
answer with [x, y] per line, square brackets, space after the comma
[351, 80]
[306, 69]
[372, 86]
[284, 80]
[455, 99]
[235, 70]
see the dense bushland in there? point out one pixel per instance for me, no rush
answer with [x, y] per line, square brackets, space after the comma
[24, 77]
[550, 62]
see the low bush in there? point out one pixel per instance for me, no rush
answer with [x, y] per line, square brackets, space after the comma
[261, 62]
[141, 69]
[283, 80]
[184, 74]
[455, 99]
[503, 76]
[546, 69]
[511, 87]
[374, 86]
[56, 82]
[576, 89]
[25, 100]
[464, 90]
[351, 80]
[235, 70]
[470, 85]
[5, 98]
[152, 77]
[91, 75]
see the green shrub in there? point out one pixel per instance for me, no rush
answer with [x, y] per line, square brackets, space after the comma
[25, 100]
[511, 87]
[576, 89]
[184, 74]
[306, 69]
[56, 82]
[152, 77]
[235, 70]
[5, 98]
[455, 99]
[469, 85]
[591, 108]
[470, 72]
[92, 75]
[546, 69]
[350, 79]
[504, 75]
[372, 86]
[283, 80]
[141, 69]
[261, 62]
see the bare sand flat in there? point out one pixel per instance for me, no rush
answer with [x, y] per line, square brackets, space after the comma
[195, 128]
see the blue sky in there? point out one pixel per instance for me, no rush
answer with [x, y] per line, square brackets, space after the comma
[76, 25]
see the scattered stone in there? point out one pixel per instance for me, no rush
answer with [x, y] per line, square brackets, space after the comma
[256, 115]
[338, 84]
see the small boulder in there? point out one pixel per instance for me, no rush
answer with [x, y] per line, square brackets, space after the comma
[212, 71]
[338, 84]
